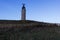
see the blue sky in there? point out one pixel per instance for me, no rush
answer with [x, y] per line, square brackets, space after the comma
[38, 10]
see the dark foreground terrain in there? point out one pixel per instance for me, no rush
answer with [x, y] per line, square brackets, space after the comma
[35, 33]
[31, 30]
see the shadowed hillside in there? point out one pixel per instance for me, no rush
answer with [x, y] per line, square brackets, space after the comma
[23, 23]
[41, 31]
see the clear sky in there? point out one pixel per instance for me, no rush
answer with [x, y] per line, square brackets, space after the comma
[38, 10]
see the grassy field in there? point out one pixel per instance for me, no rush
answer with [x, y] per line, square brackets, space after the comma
[36, 33]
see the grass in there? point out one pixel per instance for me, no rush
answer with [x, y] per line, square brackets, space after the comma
[37, 33]
[41, 31]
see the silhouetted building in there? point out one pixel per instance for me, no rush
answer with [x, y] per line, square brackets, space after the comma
[23, 14]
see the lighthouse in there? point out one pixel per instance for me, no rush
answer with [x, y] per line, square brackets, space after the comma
[23, 13]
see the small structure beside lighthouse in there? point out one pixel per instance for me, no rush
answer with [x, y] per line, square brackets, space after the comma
[23, 13]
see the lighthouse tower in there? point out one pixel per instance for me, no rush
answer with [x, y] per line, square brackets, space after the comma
[23, 13]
